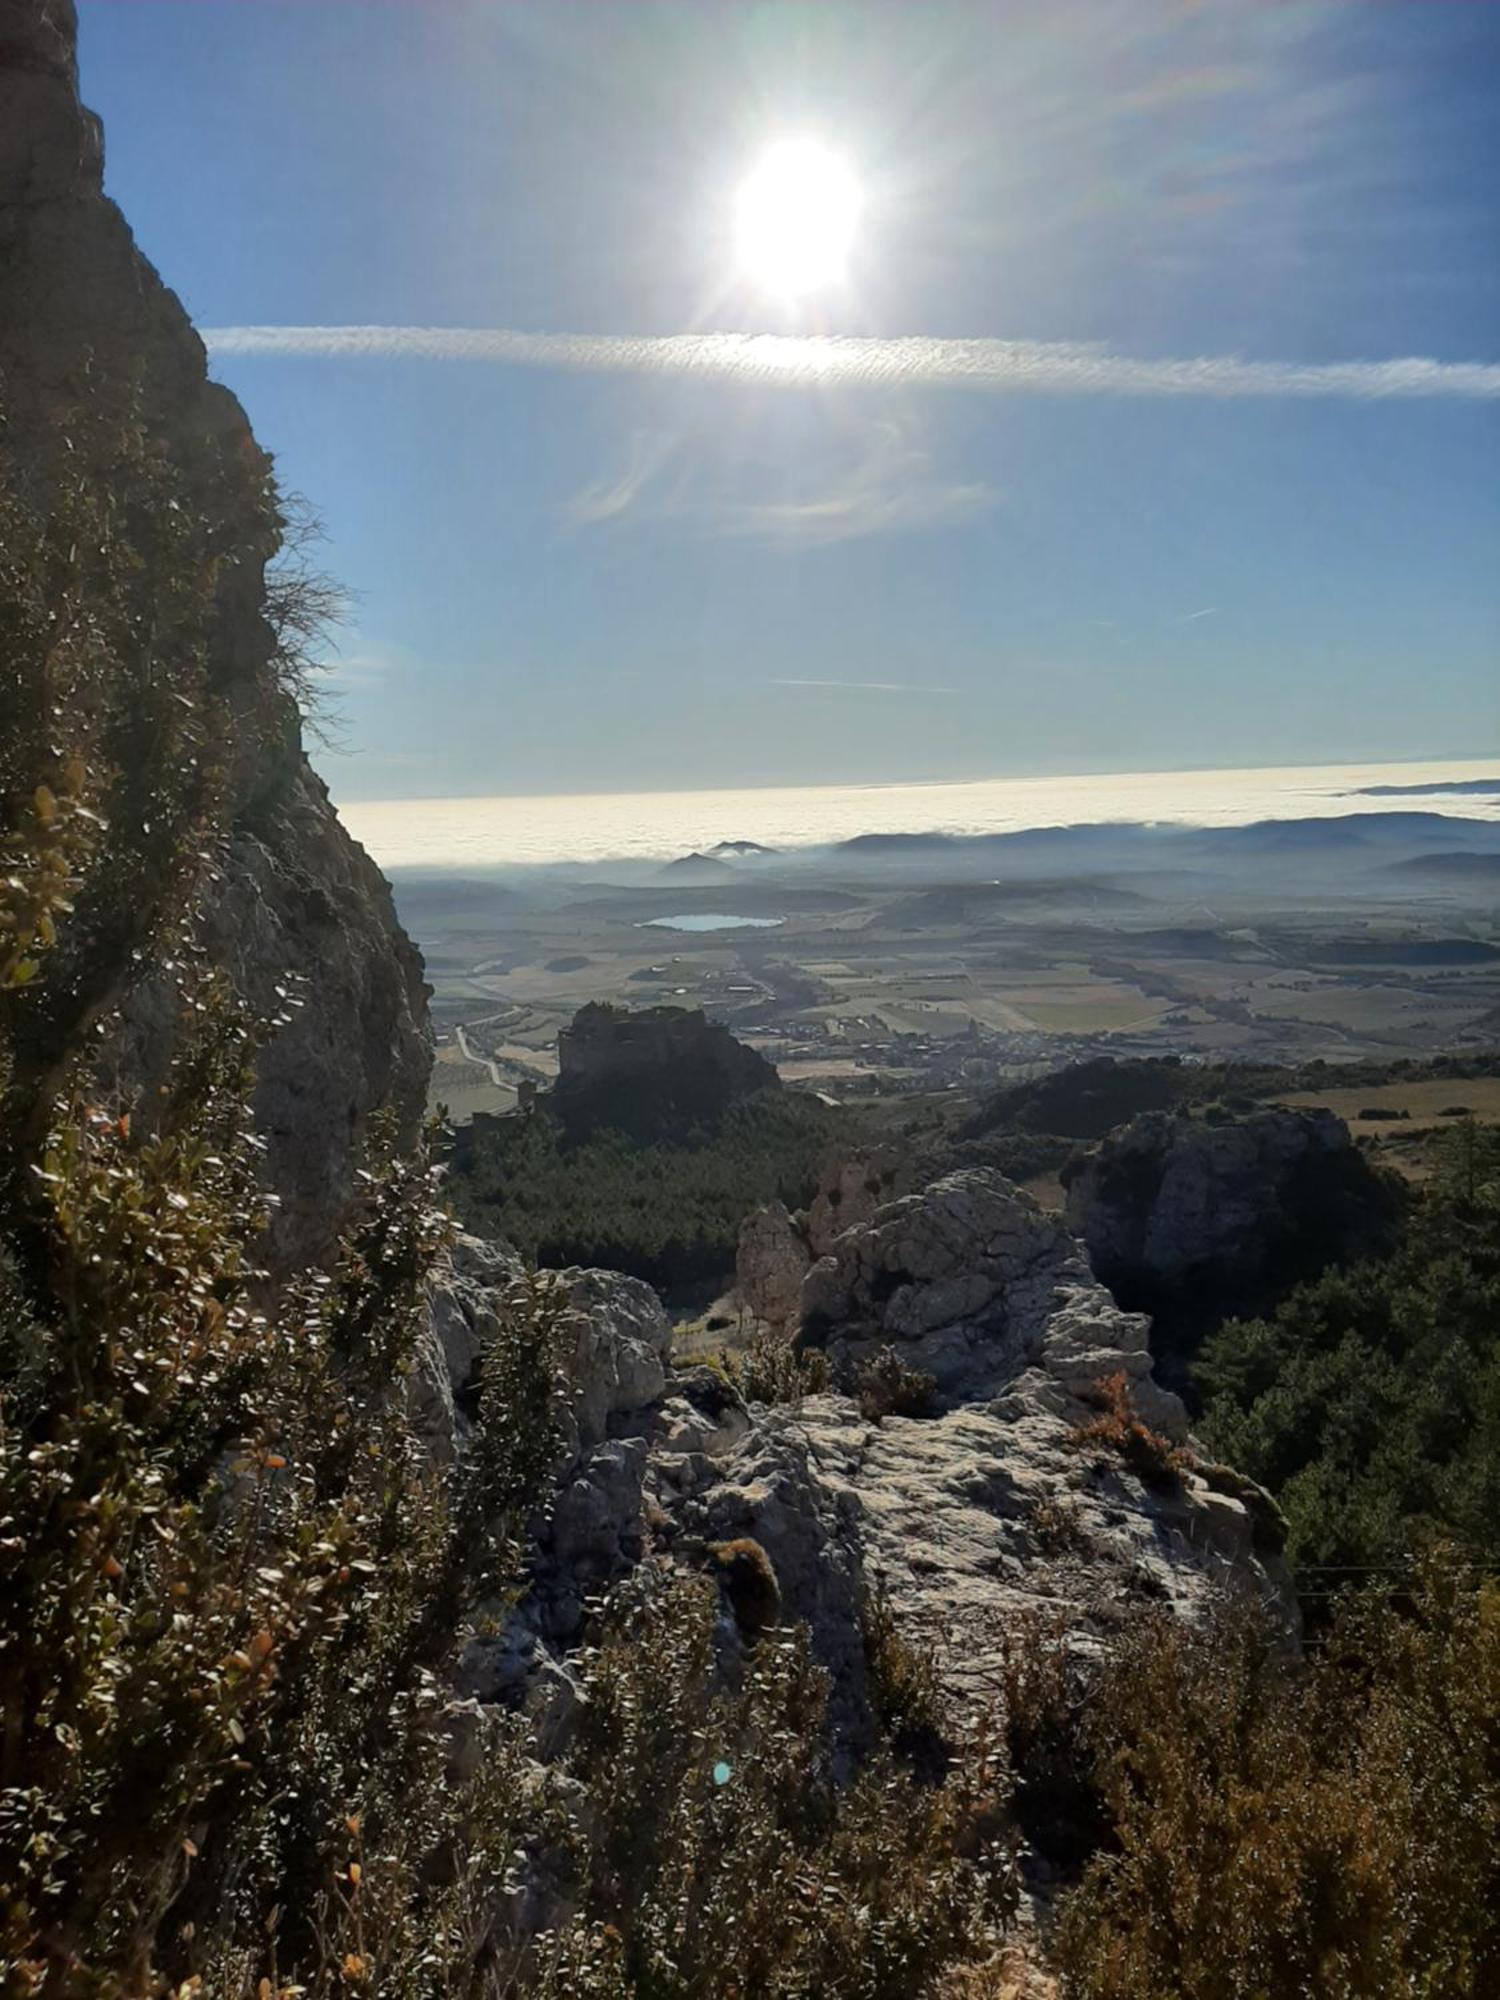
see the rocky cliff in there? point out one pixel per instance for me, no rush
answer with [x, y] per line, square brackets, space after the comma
[1191, 1220]
[291, 908]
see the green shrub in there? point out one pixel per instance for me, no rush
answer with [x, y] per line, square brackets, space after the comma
[772, 1368]
[1332, 1830]
[904, 1687]
[228, 1577]
[724, 1861]
[1369, 1405]
[886, 1387]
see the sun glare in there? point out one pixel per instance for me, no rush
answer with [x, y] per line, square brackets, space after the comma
[796, 218]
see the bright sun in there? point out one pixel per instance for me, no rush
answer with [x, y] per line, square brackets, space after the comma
[795, 218]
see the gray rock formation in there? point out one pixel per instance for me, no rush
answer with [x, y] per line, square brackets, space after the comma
[771, 1260]
[777, 1249]
[970, 1520]
[849, 1194]
[1172, 1204]
[295, 911]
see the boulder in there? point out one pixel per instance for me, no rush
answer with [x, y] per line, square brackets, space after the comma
[771, 1260]
[617, 1359]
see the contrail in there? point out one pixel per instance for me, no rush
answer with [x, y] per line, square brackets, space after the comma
[1014, 366]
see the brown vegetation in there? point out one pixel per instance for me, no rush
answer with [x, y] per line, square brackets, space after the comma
[1119, 1429]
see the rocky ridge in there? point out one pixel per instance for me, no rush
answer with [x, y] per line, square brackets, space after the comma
[991, 1510]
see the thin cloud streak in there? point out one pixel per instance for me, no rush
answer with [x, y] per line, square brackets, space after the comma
[799, 361]
[864, 687]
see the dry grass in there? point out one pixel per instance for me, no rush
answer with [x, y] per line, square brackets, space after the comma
[1119, 1429]
[1440, 1100]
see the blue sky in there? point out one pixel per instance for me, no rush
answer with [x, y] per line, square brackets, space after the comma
[573, 577]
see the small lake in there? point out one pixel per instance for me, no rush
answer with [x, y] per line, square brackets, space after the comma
[710, 923]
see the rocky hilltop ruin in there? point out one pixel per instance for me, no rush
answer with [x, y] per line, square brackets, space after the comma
[656, 1071]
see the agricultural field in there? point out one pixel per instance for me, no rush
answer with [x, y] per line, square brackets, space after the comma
[1417, 1101]
[854, 984]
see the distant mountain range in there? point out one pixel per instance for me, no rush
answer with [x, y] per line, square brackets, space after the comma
[1318, 848]
[1472, 787]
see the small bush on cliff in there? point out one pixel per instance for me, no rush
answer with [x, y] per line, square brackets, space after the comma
[904, 1686]
[772, 1368]
[886, 1387]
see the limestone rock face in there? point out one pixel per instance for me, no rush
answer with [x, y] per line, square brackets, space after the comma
[777, 1249]
[1172, 1202]
[620, 1341]
[993, 1507]
[771, 1260]
[296, 912]
[465, 1294]
[960, 1278]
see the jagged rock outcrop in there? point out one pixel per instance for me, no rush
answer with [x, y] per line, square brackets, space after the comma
[972, 1282]
[777, 1249]
[295, 911]
[1177, 1211]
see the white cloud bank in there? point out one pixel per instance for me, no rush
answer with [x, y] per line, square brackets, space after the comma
[1035, 367]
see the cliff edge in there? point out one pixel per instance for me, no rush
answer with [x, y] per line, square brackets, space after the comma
[289, 906]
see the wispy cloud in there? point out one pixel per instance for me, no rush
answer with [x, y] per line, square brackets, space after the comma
[609, 499]
[865, 687]
[997, 366]
[892, 487]
[1209, 611]
[718, 484]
